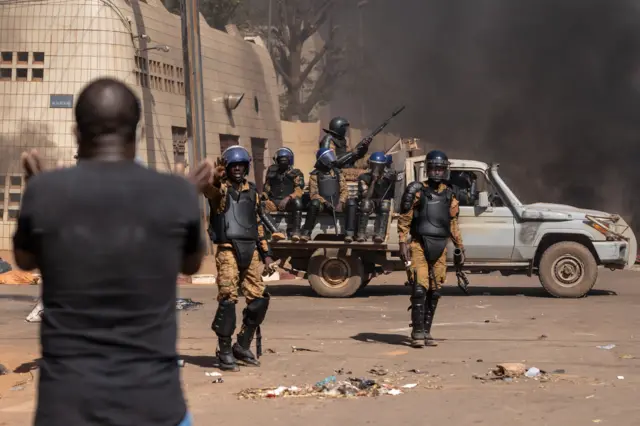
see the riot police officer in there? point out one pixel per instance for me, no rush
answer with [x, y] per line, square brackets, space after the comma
[241, 247]
[328, 192]
[336, 139]
[376, 189]
[429, 215]
[283, 191]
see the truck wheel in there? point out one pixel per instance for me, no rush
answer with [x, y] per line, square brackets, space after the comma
[331, 275]
[568, 269]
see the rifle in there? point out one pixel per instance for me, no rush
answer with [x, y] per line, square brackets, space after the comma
[363, 145]
[458, 261]
[333, 212]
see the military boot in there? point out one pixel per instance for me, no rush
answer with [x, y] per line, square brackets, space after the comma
[224, 323]
[310, 222]
[350, 219]
[418, 332]
[297, 224]
[429, 314]
[362, 228]
[380, 227]
[253, 315]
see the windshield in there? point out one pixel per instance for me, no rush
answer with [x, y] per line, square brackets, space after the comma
[503, 189]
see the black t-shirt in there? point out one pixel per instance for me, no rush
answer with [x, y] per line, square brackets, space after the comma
[109, 239]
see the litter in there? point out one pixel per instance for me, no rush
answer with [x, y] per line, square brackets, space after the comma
[329, 387]
[17, 388]
[379, 371]
[589, 397]
[297, 349]
[36, 313]
[212, 374]
[181, 363]
[532, 372]
[218, 380]
[627, 356]
[410, 386]
[607, 347]
[186, 304]
[620, 377]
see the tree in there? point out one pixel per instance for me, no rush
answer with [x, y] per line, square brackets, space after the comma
[308, 76]
[217, 13]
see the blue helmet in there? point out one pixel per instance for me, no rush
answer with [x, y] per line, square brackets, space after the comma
[389, 160]
[237, 154]
[377, 162]
[284, 152]
[326, 156]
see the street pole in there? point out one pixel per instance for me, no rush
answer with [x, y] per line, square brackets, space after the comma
[361, 5]
[194, 87]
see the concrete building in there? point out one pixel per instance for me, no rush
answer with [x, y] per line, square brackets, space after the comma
[50, 49]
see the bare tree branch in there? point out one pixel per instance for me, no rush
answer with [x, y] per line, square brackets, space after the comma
[311, 65]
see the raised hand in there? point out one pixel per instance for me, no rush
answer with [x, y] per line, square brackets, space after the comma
[31, 164]
[202, 175]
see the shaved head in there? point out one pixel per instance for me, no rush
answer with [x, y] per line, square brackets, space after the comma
[107, 112]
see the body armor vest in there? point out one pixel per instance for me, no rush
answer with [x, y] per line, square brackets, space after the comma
[329, 187]
[238, 221]
[281, 184]
[338, 145]
[432, 218]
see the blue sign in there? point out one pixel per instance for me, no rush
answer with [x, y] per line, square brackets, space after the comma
[60, 101]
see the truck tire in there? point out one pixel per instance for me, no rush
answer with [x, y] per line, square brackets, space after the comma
[568, 269]
[332, 275]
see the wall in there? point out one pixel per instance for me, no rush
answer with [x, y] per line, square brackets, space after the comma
[70, 42]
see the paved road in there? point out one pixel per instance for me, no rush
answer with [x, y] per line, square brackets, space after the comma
[504, 320]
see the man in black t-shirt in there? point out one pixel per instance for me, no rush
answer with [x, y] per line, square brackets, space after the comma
[109, 237]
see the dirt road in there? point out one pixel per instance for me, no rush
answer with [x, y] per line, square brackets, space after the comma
[504, 320]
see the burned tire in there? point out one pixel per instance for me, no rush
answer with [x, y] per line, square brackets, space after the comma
[568, 269]
[333, 275]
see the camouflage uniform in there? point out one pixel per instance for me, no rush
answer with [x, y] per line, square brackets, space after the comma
[319, 203]
[238, 262]
[280, 186]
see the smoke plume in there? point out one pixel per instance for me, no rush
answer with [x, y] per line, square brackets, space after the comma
[548, 88]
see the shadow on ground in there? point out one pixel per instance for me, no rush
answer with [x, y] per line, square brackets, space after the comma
[203, 361]
[304, 290]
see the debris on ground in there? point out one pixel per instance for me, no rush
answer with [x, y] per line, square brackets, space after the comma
[559, 371]
[329, 387]
[410, 386]
[297, 349]
[607, 347]
[620, 377]
[627, 356]
[17, 388]
[186, 304]
[510, 371]
[19, 278]
[4, 370]
[181, 363]
[36, 313]
[532, 372]
[379, 371]
[341, 371]
[270, 351]
[218, 380]
[416, 371]
[212, 374]
[542, 337]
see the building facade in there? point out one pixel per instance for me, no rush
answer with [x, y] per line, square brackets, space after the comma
[50, 49]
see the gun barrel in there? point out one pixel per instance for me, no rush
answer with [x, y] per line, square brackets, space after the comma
[458, 257]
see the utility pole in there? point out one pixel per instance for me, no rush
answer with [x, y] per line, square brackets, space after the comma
[194, 87]
[361, 5]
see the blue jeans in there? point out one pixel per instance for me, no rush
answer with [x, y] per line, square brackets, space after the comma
[187, 421]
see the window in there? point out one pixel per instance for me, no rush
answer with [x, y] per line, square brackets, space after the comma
[21, 74]
[6, 74]
[23, 57]
[13, 214]
[1, 200]
[15, 197]
[15, 180]
[179, 136]
[6, 58]
[38, 58]
[37, 74]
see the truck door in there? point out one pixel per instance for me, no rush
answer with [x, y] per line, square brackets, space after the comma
[488, 234]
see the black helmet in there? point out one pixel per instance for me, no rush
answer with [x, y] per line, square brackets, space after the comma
[338, 127]
[437, 166]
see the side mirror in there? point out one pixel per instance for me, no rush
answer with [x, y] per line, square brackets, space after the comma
[483, 200]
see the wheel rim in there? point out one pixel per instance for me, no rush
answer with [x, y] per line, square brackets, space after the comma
[568, 270]
[335, 272]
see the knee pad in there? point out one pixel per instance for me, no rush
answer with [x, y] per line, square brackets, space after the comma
[366, 206]
[434, 295]
[296, 204]
[418, 291]
[224, 323]
[315, 205]
[385, 206]
[256, 311]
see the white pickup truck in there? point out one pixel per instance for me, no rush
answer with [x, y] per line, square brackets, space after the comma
[563, 245]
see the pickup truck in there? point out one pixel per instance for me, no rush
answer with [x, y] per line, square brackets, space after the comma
[563, 245]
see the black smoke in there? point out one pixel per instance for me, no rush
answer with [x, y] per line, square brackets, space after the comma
[548, 88]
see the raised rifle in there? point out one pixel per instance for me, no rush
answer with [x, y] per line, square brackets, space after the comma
[363, 145]
[458, 261]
